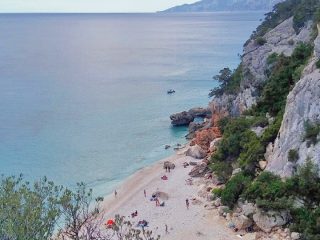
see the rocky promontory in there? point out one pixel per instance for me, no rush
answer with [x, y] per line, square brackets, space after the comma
[186, 117]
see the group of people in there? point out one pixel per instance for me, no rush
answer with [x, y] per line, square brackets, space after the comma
[154, 197]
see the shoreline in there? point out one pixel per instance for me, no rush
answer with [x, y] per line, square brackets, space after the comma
[199, 221]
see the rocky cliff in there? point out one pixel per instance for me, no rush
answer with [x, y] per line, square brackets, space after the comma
[303, 102]
[303, 105]
[282, 39]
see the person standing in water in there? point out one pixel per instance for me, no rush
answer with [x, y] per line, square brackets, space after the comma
[115, 193]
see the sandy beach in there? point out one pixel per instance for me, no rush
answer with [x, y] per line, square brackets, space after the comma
[197, 222]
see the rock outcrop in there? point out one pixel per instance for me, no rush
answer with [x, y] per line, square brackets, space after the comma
[199, 171]
[282, 39]
[204, 137]
[303, 104]
[185, 118]
[268, 220]
[181, 119]
[196, 152]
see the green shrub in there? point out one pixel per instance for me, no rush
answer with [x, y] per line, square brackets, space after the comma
[260, 121]
[307, 222]
[273, 58]
[284, 75]
[234, 188]
[223, 170]
[217, 192]
[305, 184]
[268, 191]
[318, 64]
[312, 131]
[302, 10]
[28, 211]
[293, 155]
[223, 123]
[260, 41]
[230, 147]
[271, 133]
[229, 81]
[252, 151]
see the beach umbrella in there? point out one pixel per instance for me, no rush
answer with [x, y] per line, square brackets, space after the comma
[162, 195]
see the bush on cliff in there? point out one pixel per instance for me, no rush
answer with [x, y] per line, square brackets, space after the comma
[269, 192]
[230, 146]
[299, 194]
[301, 10]
[312, 131]
[318, 64]
[233, 189]
[223, 170]
[229, 82]
[252, 151]
[285, 73]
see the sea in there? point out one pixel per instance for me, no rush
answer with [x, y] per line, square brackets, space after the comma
[83, 97]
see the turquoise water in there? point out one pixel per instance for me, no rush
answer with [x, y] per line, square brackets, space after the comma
[83, 97]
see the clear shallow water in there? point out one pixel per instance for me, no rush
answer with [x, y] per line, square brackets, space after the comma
[83, 97]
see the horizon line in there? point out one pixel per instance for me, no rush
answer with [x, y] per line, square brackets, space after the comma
[162, 11]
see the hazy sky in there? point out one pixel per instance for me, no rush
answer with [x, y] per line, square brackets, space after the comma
[88, 5]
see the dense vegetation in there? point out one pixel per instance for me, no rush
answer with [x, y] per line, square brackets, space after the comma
[301, 10]
[242, 148]
[300, 195]
[42, 210]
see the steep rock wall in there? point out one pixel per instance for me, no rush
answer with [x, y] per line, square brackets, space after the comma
[303, 104]
[282, 39]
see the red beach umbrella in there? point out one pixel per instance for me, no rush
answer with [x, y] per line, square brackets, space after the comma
[110, 222]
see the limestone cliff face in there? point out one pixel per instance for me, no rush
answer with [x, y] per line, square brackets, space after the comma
[303, 104]
[282, 39]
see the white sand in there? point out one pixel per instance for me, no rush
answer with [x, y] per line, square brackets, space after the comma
[195, 223]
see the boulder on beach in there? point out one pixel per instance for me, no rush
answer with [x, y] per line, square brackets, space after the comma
[199, 170]
[196, 152]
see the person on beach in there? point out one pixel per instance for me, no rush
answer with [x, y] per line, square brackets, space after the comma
[187, 203]
[145, 193]
[115, 193]
[157, 202]
[167, 229]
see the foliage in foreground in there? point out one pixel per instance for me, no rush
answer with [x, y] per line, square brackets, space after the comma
[299, 194]
[43, 211]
